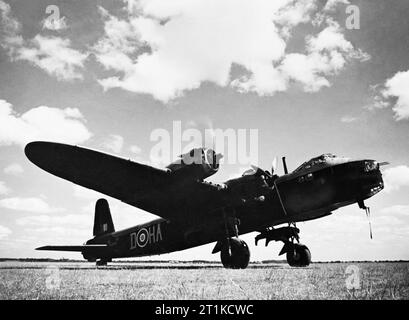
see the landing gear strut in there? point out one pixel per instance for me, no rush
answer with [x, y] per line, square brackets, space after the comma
[298, 255]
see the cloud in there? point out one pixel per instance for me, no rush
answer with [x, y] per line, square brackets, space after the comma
[4, 232]
[13, 169]
[165, 49]
[3, 188]
[402, 210]
[398, 87]
[396, 178]
[79, 220]
[123, 215]
[348, 119]
[9, 29]
[54, 56]
[85, 193]
[114, 51]
[327, 54]
[41, 123]
[36, 205]
[114, 143]
[331, 5]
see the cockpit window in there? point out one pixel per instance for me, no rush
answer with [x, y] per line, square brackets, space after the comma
[320, 161]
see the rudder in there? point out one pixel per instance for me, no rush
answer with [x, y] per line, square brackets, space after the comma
[103, 221]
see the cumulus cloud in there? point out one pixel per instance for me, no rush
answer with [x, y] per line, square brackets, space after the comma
[331, 5]
[32, 204]
[13, 169]
[396, 178]
[3, 188]
[9, 29]
[394, 93]
[55, 56]
[4, 232]
[41, 123]
[166, 49]
[52, 54]
[327, 54]
[114, 143]
[397, 87]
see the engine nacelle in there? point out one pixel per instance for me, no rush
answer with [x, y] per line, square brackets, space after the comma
[253, 184]
[198, 164]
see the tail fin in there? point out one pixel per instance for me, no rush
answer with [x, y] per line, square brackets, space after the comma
[103, 221]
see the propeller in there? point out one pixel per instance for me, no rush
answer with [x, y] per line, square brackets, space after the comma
[362, 205]
[274, 166]
[368, 215]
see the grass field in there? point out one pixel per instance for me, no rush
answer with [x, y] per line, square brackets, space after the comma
[153, 280]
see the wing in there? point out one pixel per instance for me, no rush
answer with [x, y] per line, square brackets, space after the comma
[139, 185]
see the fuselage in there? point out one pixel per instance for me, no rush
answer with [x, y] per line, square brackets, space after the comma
[313, 190]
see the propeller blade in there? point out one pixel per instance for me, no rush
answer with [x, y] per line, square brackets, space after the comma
[214, 153]
[385, 163]
[274, 165]
[368, 215]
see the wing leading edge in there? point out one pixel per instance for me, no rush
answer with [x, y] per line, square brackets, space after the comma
[139, 185]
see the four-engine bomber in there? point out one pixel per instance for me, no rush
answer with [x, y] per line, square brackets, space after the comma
[194, 212]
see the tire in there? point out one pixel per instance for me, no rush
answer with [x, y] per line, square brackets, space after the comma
[237, 257]
[101, 263]
[300, 256]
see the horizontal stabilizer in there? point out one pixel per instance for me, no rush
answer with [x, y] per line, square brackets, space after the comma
[83, 248]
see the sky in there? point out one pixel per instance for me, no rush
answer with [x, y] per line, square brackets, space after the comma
[311, 77]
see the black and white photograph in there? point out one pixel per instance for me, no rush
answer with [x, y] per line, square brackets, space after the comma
[227, 151]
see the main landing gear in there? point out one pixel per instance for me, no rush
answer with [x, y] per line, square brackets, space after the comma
[234, 252]
[298, 255]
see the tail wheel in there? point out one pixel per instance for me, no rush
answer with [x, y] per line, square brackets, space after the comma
[299, 256]
[101, 262]
[235, 254]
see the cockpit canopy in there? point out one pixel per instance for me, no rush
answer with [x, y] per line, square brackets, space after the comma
[322, 161]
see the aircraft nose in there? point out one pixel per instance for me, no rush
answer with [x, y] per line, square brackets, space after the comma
[372, 178]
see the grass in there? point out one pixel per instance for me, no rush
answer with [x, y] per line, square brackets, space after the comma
[50, 280]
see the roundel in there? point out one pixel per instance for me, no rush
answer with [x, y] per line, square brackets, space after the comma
[142, 237]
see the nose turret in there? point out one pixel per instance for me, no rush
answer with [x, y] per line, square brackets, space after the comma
[370, 178]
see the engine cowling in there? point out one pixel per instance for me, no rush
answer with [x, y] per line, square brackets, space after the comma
[198, 164]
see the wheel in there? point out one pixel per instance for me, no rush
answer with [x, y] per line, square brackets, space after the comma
[238, 256]
[101, 262]
[299, 256]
